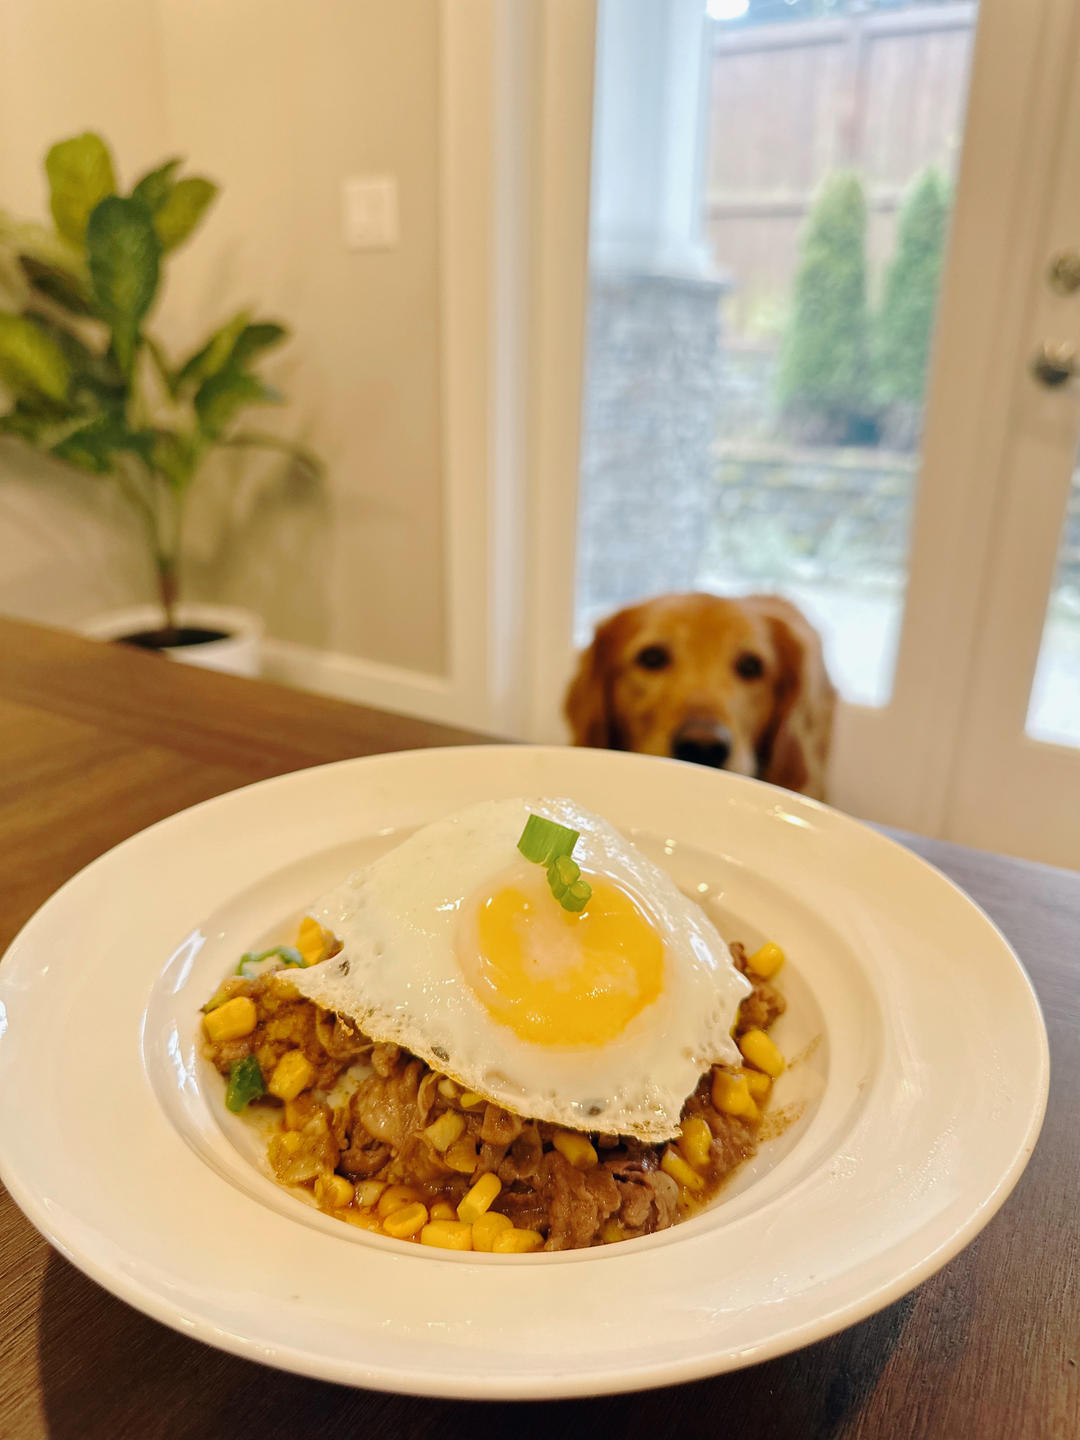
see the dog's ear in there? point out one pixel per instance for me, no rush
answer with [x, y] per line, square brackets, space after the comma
[794, 749]
[588, 707]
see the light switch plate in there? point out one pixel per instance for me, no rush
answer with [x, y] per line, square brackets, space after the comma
[369, 212]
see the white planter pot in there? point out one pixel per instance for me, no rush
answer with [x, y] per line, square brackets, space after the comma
[238, 652]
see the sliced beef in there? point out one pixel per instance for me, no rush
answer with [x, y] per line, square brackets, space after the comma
[578, 1201]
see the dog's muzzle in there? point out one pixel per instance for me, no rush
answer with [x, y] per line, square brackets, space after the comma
[703, 743]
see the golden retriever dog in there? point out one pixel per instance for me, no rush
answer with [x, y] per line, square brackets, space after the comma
[736, 684]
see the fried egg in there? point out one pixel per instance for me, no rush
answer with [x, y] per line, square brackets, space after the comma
[455, 948]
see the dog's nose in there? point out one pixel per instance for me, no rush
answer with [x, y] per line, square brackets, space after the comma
[703, 744]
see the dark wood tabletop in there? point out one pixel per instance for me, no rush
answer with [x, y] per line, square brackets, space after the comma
[97, 742]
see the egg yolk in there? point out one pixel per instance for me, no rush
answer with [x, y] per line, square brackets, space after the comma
[559, 978]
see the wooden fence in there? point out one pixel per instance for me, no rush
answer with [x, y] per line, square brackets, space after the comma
[880, 92]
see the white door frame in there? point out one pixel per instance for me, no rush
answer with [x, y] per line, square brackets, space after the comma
[1009, 791]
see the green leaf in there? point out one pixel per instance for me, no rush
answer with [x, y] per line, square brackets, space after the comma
[96, 383]
[222, 396]
[33, 424]
[175, 456]
[254, 338]
[31, 362]
[79, 356]
[161, 363]
[260, 440]
[80, 173]
[124, 255]
[56, 285]
[156, 186]
[215, 354]
[183, 209]
[94, 447]
[86, 448]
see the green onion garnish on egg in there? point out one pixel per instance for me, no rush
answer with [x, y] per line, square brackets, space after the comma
[287, 954]
[547, 843]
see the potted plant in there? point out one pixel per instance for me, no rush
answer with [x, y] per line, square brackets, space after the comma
[89, 385]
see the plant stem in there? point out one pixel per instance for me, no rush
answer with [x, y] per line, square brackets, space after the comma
[136, 499]
[168, 591]
[168, 547]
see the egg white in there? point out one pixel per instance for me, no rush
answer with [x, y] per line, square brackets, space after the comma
[398, 977]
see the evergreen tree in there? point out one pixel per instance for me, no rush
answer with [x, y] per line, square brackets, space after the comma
[905, 322]
[823, 385]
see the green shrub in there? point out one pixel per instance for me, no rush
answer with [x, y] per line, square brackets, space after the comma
[905, 322]
[823, 385]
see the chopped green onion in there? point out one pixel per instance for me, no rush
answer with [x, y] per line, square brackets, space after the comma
[577, 897]
[561, 874]
[288, 954]
[550, 844]
[245, 1084]
[543, 841]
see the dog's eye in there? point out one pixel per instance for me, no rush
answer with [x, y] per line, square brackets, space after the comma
[654, 657]
[749, 666]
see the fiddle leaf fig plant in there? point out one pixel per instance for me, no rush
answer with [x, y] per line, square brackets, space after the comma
[84, 379]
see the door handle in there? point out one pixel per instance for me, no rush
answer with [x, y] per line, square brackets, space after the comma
[1055, 363]
[1063, 274]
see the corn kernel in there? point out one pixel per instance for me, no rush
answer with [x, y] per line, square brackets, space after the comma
[469, 1100]
[406, 1222]
[766, 961]
[679, 1170]
[479, 1198]
[448, 1089]
[487, 1227]
[445, 1130]
[760, 1051]
[611, 1232]
[443, 1210]
[368, 1192]
[292, 1073]
[312, 941]
[757, 1083]
[517, 1242]
[447, 1235]
[461, 1155]
[297, 1113]
[731, 1095]
[333, 1192]
[396, 1197]
[575, 1148]
[696, 1142]
[362, 1219]
[231, 1021]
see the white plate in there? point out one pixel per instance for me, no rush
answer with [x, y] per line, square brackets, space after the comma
[922, 1083]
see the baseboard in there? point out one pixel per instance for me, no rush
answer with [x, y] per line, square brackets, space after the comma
[367, 682]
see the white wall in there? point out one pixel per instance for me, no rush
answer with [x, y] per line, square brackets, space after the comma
[278, 102]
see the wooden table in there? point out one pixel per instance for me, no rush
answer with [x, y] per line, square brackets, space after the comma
[97, 742]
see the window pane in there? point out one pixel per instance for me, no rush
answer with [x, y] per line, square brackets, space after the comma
[765, 251]
[1054, 712]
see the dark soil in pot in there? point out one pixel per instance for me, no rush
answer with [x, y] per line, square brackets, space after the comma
[171, 639]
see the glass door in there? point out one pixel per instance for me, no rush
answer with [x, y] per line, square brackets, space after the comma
[809, 224]
[771, 193]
